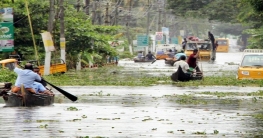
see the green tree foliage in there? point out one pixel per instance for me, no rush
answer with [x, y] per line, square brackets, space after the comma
[81, 35]
[257, 5]
[217, 10]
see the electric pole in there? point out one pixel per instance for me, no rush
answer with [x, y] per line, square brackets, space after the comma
[62, 31]
[159, 20]
[87, 2]
[107, 15]
[116, 14]
[93, 12]
[78, 5]
[148, 18]
[128, 29]
[51, 15]
[148, 24]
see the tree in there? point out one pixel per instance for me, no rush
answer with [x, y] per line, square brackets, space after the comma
[79, 31]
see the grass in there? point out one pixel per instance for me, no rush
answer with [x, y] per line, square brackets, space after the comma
[115, 76]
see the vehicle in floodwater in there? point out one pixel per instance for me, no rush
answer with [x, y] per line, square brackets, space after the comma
[251, 66]
[204, 47]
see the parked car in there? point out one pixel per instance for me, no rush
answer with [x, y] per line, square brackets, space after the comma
[251, 66]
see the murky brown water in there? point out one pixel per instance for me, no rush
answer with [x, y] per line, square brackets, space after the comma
[133, 112]
[136, 112]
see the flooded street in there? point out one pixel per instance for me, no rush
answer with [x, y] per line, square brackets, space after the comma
[141, 112]
[156, 111]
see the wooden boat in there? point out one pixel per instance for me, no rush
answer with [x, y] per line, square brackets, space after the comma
[142, 60]
[169, 61]
[179, 75]
[25, 98]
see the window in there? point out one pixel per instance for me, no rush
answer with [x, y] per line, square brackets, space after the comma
[222, 42]
[252, 60]
[10, 66]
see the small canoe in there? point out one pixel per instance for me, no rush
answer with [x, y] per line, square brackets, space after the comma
[26, 99]
[179, 75]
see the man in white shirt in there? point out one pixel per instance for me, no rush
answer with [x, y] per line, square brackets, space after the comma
[184, 65]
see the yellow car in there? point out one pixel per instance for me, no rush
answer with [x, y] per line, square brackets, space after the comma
[204, 48]
[251, 66]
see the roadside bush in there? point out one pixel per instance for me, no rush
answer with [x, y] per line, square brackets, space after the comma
[7, 76]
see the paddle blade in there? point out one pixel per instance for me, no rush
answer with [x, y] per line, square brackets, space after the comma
[153, 61]
[68, 95]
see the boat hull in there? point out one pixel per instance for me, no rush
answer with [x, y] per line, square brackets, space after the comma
[179, 75]
[16, 100]
[25, 98]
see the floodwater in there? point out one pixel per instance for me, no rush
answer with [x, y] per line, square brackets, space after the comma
[142, 112]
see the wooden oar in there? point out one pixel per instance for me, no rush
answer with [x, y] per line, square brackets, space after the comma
[68, 95]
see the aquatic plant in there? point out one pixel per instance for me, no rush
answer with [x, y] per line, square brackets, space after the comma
[117, 76]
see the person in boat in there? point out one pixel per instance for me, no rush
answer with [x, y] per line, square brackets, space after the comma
[150, 56]
[170, 53]
[40, 89]
[192, 60]
[140, 55]
[36, 70]
[184, 65]
[26, 77]
[178, 55]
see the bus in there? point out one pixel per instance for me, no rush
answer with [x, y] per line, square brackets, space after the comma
[223, 45]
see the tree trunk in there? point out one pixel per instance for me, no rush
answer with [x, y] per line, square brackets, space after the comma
[51, 16]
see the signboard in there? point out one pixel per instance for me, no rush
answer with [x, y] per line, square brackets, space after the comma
[159, 36]
[142, 40]
[48, 42]
[174, 40]
[136, 49]
[6, 30]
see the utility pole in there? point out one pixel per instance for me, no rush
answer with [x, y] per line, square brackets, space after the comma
[62, 31]
[93, 12]
[128, 29]
[78, 5]
[164, 14]
[148, 18]
[159, 20]
[107, 15]
[116, 14]
[87, 2]
[49, 28]
[51, 15]
[148, 24]
[99, 13]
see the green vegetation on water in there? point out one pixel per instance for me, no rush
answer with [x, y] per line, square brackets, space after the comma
[116, 76]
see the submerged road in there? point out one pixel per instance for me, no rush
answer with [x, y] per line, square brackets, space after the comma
[142, 112]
